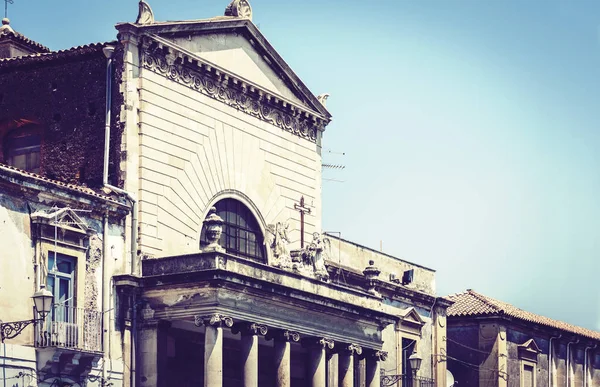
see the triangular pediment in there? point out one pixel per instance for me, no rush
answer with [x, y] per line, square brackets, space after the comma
[64, 218]
[412, 317]
[238, 48]
[530, 346]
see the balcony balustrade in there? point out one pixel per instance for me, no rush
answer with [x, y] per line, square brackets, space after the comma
[71, 328]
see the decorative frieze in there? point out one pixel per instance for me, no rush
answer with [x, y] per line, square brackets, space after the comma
[231, 91]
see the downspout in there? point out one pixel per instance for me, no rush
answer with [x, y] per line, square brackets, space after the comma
[585, 364]
[105, 303]
[550, 360]
[569, 362]
[109, 52]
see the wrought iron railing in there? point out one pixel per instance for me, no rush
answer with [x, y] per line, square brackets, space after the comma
[405, 381]
[68, 327]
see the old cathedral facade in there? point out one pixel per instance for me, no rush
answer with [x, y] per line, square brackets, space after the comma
[166, 189]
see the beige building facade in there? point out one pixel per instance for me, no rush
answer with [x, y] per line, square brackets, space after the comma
[215, 269]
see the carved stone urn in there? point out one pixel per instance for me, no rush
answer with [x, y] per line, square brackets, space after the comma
[214, 228]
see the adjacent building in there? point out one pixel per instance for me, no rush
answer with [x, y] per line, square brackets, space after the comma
[166, 187]
[494, 344]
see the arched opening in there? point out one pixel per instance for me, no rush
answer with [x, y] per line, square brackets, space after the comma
[241, 233]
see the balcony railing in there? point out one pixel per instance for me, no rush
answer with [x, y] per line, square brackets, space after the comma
[405, 381]
[72, 328]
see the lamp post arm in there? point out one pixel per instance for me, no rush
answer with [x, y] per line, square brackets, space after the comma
[11, 330]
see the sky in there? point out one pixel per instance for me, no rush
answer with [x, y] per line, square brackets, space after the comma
[469, 130]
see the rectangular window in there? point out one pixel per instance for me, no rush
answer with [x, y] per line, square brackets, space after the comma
[528, 375]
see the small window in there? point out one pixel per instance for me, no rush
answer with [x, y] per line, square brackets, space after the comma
[22, 150]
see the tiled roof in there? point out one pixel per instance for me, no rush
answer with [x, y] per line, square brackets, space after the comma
[471, 303]
[7, 32]
[53, 55]
[71, 187]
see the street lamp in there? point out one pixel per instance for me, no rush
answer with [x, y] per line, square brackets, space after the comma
[42, 302]
[415, 363]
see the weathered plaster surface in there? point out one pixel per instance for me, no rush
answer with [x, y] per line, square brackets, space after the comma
[16, 276]
[357, 257]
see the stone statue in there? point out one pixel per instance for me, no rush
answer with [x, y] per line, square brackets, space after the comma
[239, 8]
[323, 99]
[278, 242]
[145, 14]
[318, 251]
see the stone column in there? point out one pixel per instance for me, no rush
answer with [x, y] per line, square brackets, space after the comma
[249, 351]
[281, 355]
[333, 362]
[373, 368]
[317, 371]
[153, 354]
[346, 366]
[213, 348]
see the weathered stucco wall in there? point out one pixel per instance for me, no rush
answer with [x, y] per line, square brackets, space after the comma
[67, 99]
[16, 260]
[357, 257]
[464, 346]
[194, 148]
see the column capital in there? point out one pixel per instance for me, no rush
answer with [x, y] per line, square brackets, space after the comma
[215, 320]
[351, 349]
[250, 329]
[318, 342]
[283, 335]
[379, 355]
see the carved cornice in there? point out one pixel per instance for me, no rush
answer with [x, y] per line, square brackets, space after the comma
[230, 90]
[215, 320]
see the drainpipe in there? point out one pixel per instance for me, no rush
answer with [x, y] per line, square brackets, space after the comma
[105, 303]
[569, 362]
[585, 364]
[550, 360]
[109, 52]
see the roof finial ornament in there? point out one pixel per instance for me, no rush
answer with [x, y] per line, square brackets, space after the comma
[6, 26]
[145, 14]
[323, 99]
[239, 8]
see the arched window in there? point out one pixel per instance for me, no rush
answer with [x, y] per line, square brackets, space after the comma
[22, 148]
[241, 233]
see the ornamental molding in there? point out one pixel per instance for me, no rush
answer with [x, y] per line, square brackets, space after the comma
[191, 71]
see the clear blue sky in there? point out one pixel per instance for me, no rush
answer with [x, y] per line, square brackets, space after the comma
[471, 129]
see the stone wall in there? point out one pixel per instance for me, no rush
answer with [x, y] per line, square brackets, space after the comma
[194, 148]
[67, 100]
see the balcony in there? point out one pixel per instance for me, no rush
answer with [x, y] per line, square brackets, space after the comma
[405, 381]
[71, 328]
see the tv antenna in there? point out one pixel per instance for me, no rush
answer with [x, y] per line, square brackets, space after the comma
[6, 3]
